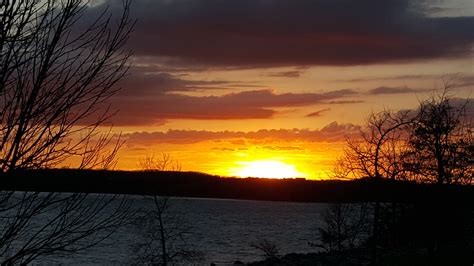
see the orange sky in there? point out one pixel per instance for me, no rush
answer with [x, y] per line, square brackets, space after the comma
[218, 86]
[220, 146]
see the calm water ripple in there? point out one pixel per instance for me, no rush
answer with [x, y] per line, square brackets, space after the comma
[222, 229]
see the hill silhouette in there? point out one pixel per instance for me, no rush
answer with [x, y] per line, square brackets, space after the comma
[194, 184]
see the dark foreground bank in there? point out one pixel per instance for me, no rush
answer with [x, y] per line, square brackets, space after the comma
[358, 257]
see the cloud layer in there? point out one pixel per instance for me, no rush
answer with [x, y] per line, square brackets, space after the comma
[393, 90]
[255, 104]
[330, 133]
[255, 33]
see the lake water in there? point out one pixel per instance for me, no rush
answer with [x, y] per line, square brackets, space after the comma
[222, 229]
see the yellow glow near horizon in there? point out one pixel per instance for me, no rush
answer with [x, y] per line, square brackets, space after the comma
[267, 169]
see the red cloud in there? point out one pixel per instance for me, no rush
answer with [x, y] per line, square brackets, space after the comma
[155, 109]
[318, 113]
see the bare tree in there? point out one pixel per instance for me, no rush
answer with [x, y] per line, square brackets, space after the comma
[377, 153]
[57, 71]
[345, 226]
[270, 249]
[165, 162]
[164, 236]
[433, 144]
[163, 232]
[441, 142]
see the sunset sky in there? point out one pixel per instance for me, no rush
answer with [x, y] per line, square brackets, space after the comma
[225, 86]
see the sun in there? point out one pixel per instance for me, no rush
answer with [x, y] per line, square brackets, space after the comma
[267, 169]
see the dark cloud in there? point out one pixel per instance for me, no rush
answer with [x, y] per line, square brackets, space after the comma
[463, 81]
[345, 101]
[250, 33]
[456, 79]
[390, 78]
[467, 105]
[317, 113]
[285, 74]
[393, 90]
[242, 105]
[330, 133]
[149, 80]
[152, 83]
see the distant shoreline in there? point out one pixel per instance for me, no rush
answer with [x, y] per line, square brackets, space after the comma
[199, 185]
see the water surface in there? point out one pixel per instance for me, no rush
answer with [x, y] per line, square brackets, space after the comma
[222, 229]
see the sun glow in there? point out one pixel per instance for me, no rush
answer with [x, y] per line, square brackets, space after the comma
[267, 169]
